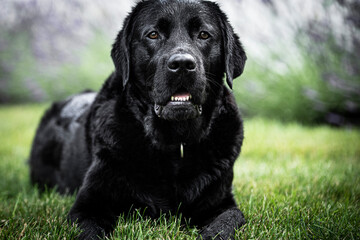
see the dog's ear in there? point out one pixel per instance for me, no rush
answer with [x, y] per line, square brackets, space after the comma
[120, 52]
[234, 54]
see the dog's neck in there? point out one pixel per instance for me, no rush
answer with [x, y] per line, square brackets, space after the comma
[173, 132]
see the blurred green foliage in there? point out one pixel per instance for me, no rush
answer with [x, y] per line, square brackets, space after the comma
[29, 79]
[318, 84]
[89, 72]
[300, 94]
[16, 54]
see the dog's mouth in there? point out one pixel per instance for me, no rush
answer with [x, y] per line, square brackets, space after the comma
[181, 97]
[180, 107]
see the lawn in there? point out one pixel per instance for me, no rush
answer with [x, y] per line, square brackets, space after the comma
[291, 181]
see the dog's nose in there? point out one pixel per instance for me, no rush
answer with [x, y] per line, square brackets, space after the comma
[181, 62]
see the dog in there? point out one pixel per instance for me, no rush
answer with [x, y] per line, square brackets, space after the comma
[163, 132]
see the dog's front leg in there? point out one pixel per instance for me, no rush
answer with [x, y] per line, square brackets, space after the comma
[94, 217]
[95, 209]
[90, 229]
[223, 226]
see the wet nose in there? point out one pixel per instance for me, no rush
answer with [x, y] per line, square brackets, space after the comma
[181, 62]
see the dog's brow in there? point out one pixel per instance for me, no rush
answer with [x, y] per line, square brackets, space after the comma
[163, 24]
[195, 22]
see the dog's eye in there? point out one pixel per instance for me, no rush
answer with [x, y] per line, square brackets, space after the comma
[204, 35]
[153, 35]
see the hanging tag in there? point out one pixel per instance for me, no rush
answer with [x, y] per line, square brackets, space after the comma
[181, 150]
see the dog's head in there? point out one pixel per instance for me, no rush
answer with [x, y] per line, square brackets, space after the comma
[176, 53]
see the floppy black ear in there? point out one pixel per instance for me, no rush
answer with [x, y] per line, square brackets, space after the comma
[120, 53]
[234, 53]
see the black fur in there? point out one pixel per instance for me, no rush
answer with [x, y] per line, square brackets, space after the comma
[121, 147]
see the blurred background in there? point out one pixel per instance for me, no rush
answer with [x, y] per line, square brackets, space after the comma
[303, 55]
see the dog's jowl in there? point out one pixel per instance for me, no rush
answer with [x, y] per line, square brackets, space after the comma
[163, 132]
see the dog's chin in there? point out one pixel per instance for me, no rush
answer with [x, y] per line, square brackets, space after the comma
[178, 111]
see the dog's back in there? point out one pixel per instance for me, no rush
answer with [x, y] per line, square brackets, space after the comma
[58, 126]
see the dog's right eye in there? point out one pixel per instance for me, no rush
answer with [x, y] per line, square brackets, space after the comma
[204, 35]
[153, 35]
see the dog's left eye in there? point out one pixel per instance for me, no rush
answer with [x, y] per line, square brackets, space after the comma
[153, 35]
[204, 35]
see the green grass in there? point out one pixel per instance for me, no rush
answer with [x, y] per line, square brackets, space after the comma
[291, 181]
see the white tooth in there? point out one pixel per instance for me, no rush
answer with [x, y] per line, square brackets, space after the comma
[176, 99]
[187, 98]
[183, 99]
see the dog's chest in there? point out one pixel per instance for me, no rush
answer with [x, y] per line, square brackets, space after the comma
[168, 179]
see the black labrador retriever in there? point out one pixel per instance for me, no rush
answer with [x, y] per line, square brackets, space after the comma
[164, 131]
